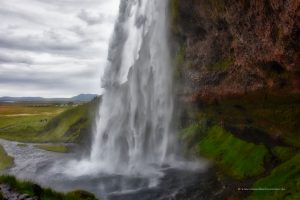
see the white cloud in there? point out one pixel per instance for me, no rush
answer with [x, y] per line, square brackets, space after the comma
[54, 48]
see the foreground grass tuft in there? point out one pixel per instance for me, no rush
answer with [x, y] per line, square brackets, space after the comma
[5, 160]
[32, 189]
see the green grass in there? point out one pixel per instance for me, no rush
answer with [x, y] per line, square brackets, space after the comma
[46, 124]
[69, 125]
[275, 113]
[194, 132]
[5, 160]
[21, 122]
[235, 157]
[32, 189]
[283, 153]
[31, 108]
[53, 148]
[287, 176]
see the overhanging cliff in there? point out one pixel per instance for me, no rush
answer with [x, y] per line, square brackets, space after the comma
[234, 47]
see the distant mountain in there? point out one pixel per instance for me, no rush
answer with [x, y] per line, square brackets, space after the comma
[84, 97]
[78, 98]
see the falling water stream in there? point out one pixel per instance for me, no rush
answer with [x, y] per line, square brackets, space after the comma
[134, 153]
[134, 133]
[134, 125]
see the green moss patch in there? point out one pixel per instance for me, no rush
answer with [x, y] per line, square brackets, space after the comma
[5, 160]
[33, 190]
[174, 12]
[286, 176]
[275, 113]
[283, 153]
[235, 157]
[193, 133]
[53, 148]
[221, 65]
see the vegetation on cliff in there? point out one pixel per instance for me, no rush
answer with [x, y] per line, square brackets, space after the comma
[5, 160]
[34, 190]
[236, 157]
[284, 177]
[239, 84]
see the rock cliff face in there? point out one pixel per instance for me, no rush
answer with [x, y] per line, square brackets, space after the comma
[238, 65]
[234, 47]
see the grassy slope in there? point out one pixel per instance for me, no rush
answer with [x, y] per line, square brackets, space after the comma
[233, 156]
[31, 189]
[276, 115]
[23, 121]
[69, 125]
[46, 124]
[285, 176]
[236, 157]
[5, 160]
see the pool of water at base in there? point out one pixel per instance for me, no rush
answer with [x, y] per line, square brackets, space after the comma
[37, 165]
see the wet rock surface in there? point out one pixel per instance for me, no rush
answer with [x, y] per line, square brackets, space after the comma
[235, 47]
[9, 194]
[178, 185]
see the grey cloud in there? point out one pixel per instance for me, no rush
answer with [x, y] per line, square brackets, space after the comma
[41, 55]
[49, 80]
[31, 44]
[77, 30]
[23, 16]
[89, 19]
[4, 58]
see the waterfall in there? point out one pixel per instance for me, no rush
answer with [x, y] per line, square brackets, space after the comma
[133, 128]
[133, 132]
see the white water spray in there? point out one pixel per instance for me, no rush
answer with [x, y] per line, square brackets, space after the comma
[134, 125]
[134, 134]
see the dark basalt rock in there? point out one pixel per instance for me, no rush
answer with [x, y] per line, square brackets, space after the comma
[260, 37]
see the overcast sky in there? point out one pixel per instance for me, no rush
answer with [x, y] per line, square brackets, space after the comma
[54, 48]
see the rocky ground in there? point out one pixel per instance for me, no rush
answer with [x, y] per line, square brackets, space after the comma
[235, 47]
[9, 194]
